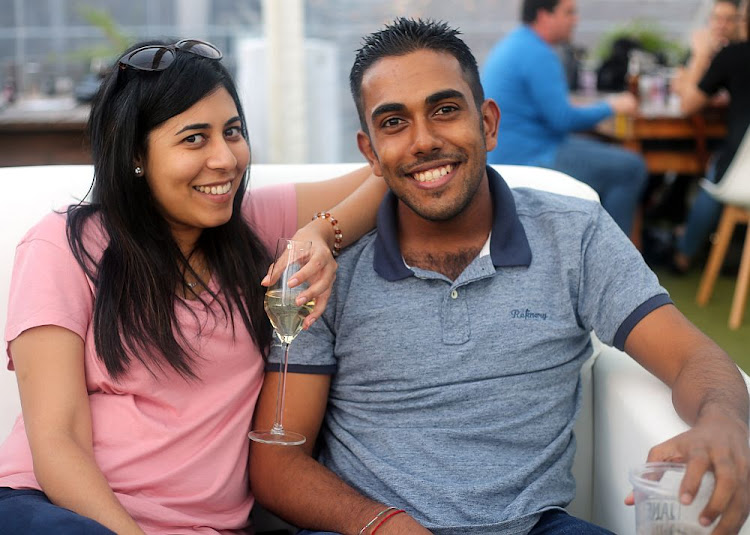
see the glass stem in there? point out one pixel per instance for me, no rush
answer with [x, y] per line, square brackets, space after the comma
[278, 426]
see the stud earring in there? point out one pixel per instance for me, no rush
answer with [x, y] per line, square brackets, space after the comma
[139, 171]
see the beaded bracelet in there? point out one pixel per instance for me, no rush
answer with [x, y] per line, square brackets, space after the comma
[375, 519]
[337, 236]
[385, 519]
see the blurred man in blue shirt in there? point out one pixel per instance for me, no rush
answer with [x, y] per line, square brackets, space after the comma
[525, 76]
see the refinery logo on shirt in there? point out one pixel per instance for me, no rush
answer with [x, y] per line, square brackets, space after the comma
[526, 314]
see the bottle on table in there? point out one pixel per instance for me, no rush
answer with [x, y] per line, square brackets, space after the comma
[634, 74]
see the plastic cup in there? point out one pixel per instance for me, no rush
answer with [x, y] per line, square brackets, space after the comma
[658, 511]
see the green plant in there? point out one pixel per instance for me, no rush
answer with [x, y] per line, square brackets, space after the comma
[649, 35]
[117, 40]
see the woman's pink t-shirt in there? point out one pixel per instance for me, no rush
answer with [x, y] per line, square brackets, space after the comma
[174, 451]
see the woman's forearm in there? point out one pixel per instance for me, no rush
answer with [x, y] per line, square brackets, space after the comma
[71, 479]
[359, 210]
[352, 199]
[692, 99]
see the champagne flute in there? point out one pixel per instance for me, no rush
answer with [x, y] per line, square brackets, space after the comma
[286, 317]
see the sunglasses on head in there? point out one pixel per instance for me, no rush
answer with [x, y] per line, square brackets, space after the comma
[159, 57]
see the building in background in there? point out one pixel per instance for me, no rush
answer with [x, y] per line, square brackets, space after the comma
[49, 46]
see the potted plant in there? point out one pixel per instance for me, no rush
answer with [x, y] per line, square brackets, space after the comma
[648, 36]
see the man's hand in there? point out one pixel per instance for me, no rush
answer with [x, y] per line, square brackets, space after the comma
[719, 443]
[623, 103]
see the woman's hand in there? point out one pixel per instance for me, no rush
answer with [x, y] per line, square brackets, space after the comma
[319, 272]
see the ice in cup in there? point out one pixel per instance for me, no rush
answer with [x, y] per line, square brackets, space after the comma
[658, 510]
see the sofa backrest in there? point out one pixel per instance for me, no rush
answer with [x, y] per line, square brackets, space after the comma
[31, 192]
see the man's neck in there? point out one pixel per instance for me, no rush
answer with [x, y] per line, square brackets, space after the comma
[446, 246]
[543, 32]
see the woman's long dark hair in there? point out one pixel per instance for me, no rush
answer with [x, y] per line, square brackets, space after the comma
[136, 278]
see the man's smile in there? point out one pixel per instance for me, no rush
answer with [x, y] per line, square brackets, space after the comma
[433, 174]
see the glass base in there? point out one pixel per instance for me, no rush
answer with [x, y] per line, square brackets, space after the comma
[281, 438]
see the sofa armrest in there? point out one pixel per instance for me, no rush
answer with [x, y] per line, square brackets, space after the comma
[632, 412]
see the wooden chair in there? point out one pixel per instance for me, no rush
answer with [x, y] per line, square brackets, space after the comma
[734, 191]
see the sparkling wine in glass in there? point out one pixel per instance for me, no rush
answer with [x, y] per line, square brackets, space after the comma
[286, 317]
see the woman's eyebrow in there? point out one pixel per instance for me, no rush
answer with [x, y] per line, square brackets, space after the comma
[196, 126]
[203, 126]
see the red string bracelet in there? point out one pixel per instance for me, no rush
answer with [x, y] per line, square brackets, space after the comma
[337, 236]
[385, 519]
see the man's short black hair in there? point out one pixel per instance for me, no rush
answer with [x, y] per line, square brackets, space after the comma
[404, 36]
[530, 8]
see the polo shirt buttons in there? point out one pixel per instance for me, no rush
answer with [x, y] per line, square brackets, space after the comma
[455, 318]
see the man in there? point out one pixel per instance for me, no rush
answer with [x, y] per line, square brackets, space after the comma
[434, 396]
[523, 73]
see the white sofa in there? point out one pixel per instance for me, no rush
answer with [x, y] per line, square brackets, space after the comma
[625, 410]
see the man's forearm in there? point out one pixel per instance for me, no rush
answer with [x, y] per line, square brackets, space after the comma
[700, 374]
[296, 487]
[710, 382]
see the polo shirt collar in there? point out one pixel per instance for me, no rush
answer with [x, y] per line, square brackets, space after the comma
[509, 246]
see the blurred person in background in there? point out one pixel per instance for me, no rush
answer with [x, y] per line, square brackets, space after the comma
[723, 29]
[729, 70]
[525, 76]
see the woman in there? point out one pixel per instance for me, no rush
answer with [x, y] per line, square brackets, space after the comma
[723, 28]
[136, 324]
[730, 70]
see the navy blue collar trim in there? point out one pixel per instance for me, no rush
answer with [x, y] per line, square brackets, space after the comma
[509, 246]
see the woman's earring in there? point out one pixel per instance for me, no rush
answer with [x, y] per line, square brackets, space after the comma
[139, 171]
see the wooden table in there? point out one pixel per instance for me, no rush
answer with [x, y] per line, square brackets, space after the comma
[668, 140]
[691, 135]
[43, 131]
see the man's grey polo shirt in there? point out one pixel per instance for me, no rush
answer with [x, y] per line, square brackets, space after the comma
[455, 400]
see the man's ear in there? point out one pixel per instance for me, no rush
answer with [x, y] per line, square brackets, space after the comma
[542, 15]
[490, 122]
[365, 147]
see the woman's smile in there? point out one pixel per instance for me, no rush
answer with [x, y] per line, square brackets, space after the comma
[214, 190]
